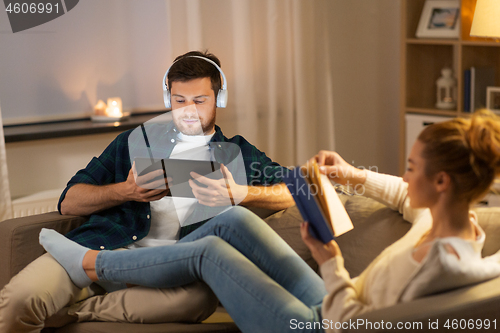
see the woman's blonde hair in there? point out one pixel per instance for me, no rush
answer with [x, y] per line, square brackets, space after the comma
[468, 150]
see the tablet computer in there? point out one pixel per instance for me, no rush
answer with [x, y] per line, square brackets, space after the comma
[178, 171]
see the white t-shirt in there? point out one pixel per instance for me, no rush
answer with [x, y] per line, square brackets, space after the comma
[169, 213]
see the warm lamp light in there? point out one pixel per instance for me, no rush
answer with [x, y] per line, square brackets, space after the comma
[486, 22]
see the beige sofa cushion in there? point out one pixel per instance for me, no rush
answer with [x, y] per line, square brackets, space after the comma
[375, 227]
[19, 240]
[489, 220]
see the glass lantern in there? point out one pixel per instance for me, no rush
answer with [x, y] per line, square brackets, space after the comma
[446, 90]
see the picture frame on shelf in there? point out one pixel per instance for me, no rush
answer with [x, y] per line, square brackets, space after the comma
[493, 99]
[439, 19]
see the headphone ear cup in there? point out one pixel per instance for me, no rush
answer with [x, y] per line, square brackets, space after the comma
[222, 98]
[166, 98]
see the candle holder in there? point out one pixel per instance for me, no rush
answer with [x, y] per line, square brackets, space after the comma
[110, 112]
[446, 90]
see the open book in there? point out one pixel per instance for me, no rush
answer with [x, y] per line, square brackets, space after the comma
[318, 202]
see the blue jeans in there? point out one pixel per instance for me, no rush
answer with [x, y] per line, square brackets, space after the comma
[263, 284]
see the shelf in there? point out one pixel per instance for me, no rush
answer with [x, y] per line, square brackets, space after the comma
[481, 56]
[434, 41]
[423, 59]
[424, 63]
[457, 42]
[437, 112]
[68, 128]
[474, 43]
[434, 112]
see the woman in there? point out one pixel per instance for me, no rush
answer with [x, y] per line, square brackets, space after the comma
[266, 287]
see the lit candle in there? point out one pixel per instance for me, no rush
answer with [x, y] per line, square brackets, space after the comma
[100, 108]
[114, 108]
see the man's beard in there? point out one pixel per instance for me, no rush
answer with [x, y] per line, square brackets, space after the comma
[209, 126]
[198, 128]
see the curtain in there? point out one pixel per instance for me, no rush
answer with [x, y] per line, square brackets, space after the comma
[276, 57]
[5, 200]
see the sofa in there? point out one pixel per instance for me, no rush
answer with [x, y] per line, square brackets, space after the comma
[375, 227]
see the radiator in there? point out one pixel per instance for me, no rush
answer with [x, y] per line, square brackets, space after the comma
[38, 203]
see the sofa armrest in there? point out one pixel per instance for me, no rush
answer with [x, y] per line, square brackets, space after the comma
[19, 240]
[476, 302]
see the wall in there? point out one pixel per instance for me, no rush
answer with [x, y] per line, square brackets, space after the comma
[97, 50]
[364, 41]
[60, 69]
[41, 165]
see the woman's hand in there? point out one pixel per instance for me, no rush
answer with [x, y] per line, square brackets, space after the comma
[320, 252]
[337, 169]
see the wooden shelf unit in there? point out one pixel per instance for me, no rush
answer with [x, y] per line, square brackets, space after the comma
[423, 59]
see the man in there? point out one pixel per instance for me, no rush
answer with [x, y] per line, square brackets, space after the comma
[124, 214]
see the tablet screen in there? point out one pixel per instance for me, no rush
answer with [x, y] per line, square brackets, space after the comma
[179, 171]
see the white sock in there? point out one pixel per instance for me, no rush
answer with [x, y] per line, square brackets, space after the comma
[68, 254]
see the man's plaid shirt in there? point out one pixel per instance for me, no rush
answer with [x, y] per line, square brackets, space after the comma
[122, 225]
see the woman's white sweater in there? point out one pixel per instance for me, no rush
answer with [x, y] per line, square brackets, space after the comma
[394, 276]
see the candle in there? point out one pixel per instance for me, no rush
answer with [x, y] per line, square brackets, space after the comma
[100, 108]
[114, 107]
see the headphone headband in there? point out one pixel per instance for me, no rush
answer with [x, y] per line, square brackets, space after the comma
[221, 95]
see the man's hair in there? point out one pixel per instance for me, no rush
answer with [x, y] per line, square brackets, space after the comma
[186, 68]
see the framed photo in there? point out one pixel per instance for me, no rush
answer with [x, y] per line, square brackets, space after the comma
[439, 19]
[493, 99]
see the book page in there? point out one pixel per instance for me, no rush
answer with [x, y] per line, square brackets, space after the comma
[338, 216]
[328, 200]
[314, 179]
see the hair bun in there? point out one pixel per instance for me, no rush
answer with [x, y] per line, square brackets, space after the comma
[484, 140]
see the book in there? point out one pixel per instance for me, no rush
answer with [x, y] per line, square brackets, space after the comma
[480, 78]
[467, 90]
[318, 202]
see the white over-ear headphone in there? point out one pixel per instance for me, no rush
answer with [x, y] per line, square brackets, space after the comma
[221, 96]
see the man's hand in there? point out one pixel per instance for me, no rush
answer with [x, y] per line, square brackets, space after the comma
[145, 188]
[337, 169]
[218, 192]
[85, 199]
[320, 252]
